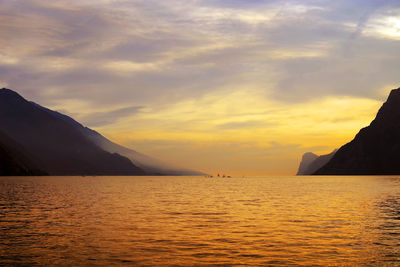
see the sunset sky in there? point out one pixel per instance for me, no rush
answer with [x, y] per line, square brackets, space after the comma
[241, 87]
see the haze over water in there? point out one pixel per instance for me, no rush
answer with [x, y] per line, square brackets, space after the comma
[196, 220]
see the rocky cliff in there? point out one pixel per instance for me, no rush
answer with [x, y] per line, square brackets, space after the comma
[375, 150]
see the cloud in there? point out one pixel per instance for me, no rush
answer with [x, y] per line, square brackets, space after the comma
[291, 49]
[109, 117]
[3, 84]
[386, 26]
[243, 125]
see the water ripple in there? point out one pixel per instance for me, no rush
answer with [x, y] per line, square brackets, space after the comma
[185, 221]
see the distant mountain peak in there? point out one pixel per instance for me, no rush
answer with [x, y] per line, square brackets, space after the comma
[10, 94]
[393, 99]
[394, 94]
[309, 155]
[6, 90]
[311, 162]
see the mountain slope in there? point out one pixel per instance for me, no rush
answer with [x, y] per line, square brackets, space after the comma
[60, 148]
[14, 160]
[376, 149]
[150, 165]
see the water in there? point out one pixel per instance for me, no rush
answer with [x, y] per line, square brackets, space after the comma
[158, 221]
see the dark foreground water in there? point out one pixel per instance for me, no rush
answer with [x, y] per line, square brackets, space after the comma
[200, 221]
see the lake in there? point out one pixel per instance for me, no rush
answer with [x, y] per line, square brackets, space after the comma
[158, 221]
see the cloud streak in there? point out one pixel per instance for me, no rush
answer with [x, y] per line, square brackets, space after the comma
[109, 117]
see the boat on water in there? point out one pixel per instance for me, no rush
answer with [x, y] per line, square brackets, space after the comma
[224, 176]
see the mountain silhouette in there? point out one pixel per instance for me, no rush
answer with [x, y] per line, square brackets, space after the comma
[150, 165]
[311, 162]
[55, 145]
[305, 162]
[14, 160]
[375, 150]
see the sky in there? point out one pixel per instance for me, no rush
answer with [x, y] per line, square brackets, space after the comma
[242, 87]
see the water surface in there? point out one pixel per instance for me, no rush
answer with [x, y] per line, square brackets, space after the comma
[271, 221]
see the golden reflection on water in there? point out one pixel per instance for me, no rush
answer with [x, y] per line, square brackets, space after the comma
[195, 220]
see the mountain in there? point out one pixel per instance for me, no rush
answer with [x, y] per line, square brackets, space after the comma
[306, 160]
[150, 165]
[56, 146]
[14, 160]
[310, 162]
[375, 150]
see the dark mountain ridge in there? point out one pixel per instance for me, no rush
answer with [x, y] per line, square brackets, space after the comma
[57, 147]
[375, 150]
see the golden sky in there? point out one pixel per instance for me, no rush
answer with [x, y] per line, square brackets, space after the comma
[233, 86]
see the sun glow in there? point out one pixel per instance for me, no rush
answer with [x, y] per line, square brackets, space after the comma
[388, 27]
[255, 124]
